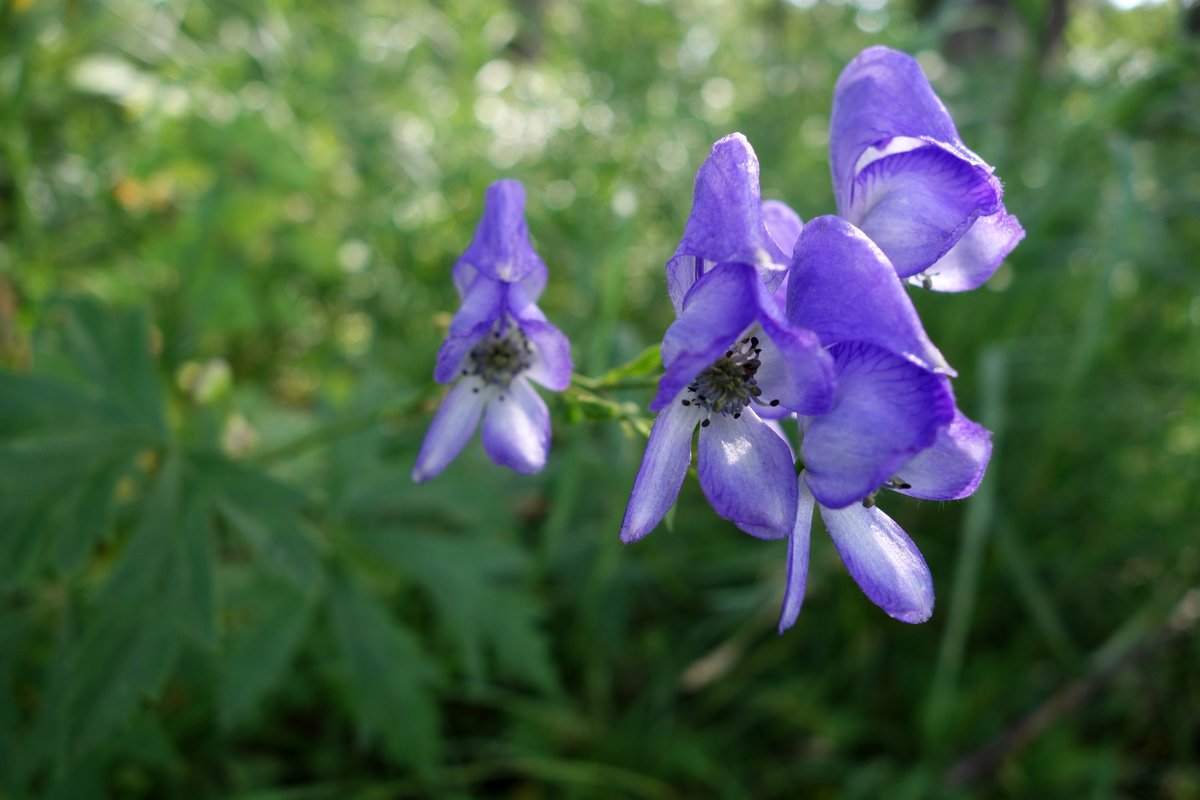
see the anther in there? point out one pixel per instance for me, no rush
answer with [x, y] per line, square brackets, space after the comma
[686, 402]
[704, 424]
[773, 403]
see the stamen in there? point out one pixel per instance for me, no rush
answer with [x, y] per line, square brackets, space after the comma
[729, 384]
[498, 358]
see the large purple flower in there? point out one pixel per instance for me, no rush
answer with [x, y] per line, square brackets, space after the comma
[902, 175]
[893, 422]
[499, 341]
[731, 359]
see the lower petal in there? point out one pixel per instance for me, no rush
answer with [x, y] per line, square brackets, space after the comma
[975, 256]
[451, 428]
[664, 466]
[882, 560]
[953, 466]
[746, 472]
[516, 428]
[797, 562]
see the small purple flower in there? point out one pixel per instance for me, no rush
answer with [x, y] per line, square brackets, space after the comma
[893, 422]
[499, 341]
[731, 360]
[902, 175]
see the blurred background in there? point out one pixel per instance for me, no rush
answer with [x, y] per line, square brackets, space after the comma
[226, 231]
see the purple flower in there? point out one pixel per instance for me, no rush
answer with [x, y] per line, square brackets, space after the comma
[892, 424]
[902, 175]
[499, 341]
[731, 361]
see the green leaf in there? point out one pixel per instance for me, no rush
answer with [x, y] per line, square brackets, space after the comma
[160, 591]
[267, 515]
[268, 620]
[112, 346]
[473, 582]
[644, 364]
[387, 679]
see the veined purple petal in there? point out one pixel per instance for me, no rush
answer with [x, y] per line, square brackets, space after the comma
[916, 205]
[976, 255]
[783, 224]
[552, 350]
[715, 312]
[886, 410]
[726, 223]
[882, 560]
[795, 369]
[664, 466]
[746, 473]
[516, 427]
[552, 355]
[883, 94]
[843, 288]
[953, 466]
[501, 249]
[682, 273]
[797, 559]
[451, 429]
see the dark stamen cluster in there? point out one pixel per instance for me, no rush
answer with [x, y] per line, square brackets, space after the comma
[729, 384]
[500, 356]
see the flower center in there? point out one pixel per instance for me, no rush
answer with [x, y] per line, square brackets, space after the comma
[729, 384]
[500, 356]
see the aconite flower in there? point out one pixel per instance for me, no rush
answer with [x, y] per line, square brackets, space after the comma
[499, 342]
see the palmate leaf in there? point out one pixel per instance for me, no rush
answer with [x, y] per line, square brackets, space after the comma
[66, 440]
[267, 515]
[268, 618]
[159, 592]
[386, 678]
[474, 583]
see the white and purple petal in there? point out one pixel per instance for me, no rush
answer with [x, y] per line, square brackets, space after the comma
[746, 472]
[976, 255]
[886, 410]
[452, 427]
[516, 427]
[883, 560]
[883, 94]
[917, 204]
[843, 288]
[663, 468]
[797, 558]
[715, 313]
[952, 467]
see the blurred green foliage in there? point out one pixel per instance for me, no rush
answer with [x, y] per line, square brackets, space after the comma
[225, 239]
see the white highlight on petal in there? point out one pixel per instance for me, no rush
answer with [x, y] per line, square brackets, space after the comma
[452, 428]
